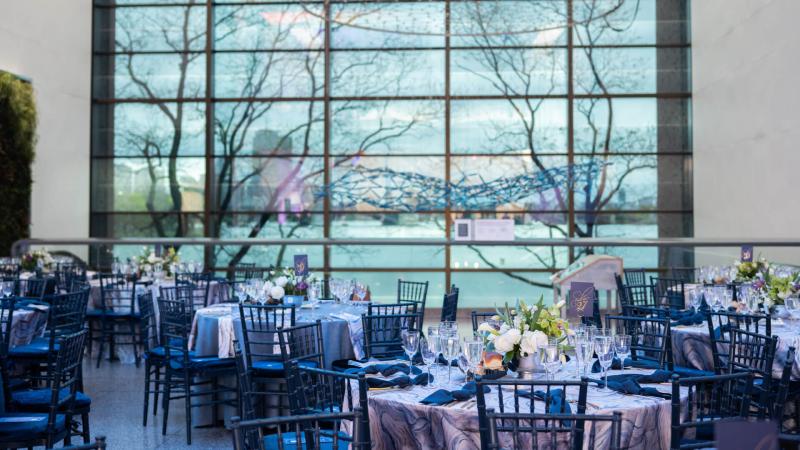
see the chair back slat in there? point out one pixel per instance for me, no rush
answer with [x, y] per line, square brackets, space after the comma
[721, 323]
[413, 291]
[651, 339]
[668, 292]
[383, 333]
[260, 325]
[635, 276]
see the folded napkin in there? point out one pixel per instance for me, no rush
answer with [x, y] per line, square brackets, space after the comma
[443, 396]
[225, 337]
[355, 327]
[658, 376]
[386, 370]
[688, 317]
[632, 387]
[616, 365]
[400, 381]
[555, 401]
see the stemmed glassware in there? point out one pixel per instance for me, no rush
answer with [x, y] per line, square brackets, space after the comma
[622, 347]
[429, 350]
[604, 347]
[410, 344]
[451, 347]
[584, 350]
[696, 298]
[473, 350]
[435, 342]
[552, 359]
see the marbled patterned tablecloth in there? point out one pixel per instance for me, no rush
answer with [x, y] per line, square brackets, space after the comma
[691, 346]
[398, 421]
[27, 324]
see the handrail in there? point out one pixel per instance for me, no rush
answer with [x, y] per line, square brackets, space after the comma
[21, 246]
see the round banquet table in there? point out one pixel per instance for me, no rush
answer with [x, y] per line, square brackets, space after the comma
[399, 421]
[214, 292]
[691, 346]
[215, 327]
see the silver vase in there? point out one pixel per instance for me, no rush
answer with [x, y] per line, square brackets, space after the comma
[530, 365]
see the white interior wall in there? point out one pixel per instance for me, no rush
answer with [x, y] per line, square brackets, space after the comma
[50, 43]
[746, 124]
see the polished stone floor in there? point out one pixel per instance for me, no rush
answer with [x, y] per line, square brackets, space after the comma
[117, 390]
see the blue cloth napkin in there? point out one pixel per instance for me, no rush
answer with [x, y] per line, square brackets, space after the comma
[658, 376]
[687, 317]
[386, 370]
[443, 396]
[631, 386]
[401, 381]
[616, 365]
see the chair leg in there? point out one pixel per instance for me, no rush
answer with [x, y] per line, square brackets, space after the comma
[188, 405]
[85, 427]
[135, 341]
[90, 344]
[214, 399]
[165, 406]
[156, 389]
[102, 341]
[146, 392]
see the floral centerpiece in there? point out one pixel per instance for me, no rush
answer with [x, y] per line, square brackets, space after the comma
[524, 329]
[36, 259]
[750, 270]
[285, 282]
[777, 289]
[167, 259]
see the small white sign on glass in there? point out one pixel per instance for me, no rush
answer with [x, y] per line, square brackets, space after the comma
[493, 230]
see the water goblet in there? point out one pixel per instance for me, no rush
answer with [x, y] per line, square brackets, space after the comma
[410, 343]
[451, 347]
[8, 289]
[473, 350]
[434, 339]
[430, 353]
[622, 347]
[551, 360]
[603, 346]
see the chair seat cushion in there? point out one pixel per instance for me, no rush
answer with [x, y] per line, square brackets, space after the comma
[39, 347]
[203, 362]
[25, 426]
[38, 400]
[290, 441]
[275, 368]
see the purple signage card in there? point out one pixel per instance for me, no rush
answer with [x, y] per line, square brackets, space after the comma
[746, 435]
[301, 265]
[747, 253]
[581, 299]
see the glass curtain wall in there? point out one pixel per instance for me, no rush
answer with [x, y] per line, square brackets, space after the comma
[364, 119]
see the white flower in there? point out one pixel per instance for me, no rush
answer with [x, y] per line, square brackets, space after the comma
[152, 258]
[486, 327]
[506, 342]
[276, 292]
[504, 328]
[281, 281]
[532, 341]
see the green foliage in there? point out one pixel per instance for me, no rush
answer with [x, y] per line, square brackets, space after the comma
[17, 141]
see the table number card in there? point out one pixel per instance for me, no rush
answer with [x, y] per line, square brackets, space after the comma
[581, 299]
[746, 435]
[747, 253]
[301, 265]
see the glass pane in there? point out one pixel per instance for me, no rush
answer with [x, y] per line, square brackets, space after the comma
[631, 70]
[148, 184]
[481, 290]
[387, 73]
[266, 224]
[388, 183]
[504, 71]
[269, 128]
[149, 130]
[509, 23]
[509, 183]
[266, 256]
[387, 25]
[388, 256]
[167, 28]
[147, 225]
[268, 75]
[151, 76]
[387, 127]
[266, 27]
[514, 257]
[284, 184]
[509, 126]
[387, 225]
[611, 22]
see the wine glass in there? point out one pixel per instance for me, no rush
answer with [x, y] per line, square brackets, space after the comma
[473, 350]
[622, 347]
[584, 351]
[410, 343]
[434, 339]
[8, 289]
[430, 352]
[448, 327]
[451, 347]
[552, 359]
[696, 298]
[603, 346]
[360, 290]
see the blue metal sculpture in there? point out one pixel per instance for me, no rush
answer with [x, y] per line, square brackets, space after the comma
[387, 189]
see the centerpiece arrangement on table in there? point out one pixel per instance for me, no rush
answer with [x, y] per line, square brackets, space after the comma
[34, 260]
[514, 337]
[285, 286]
[772, 284]
[167, 261]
